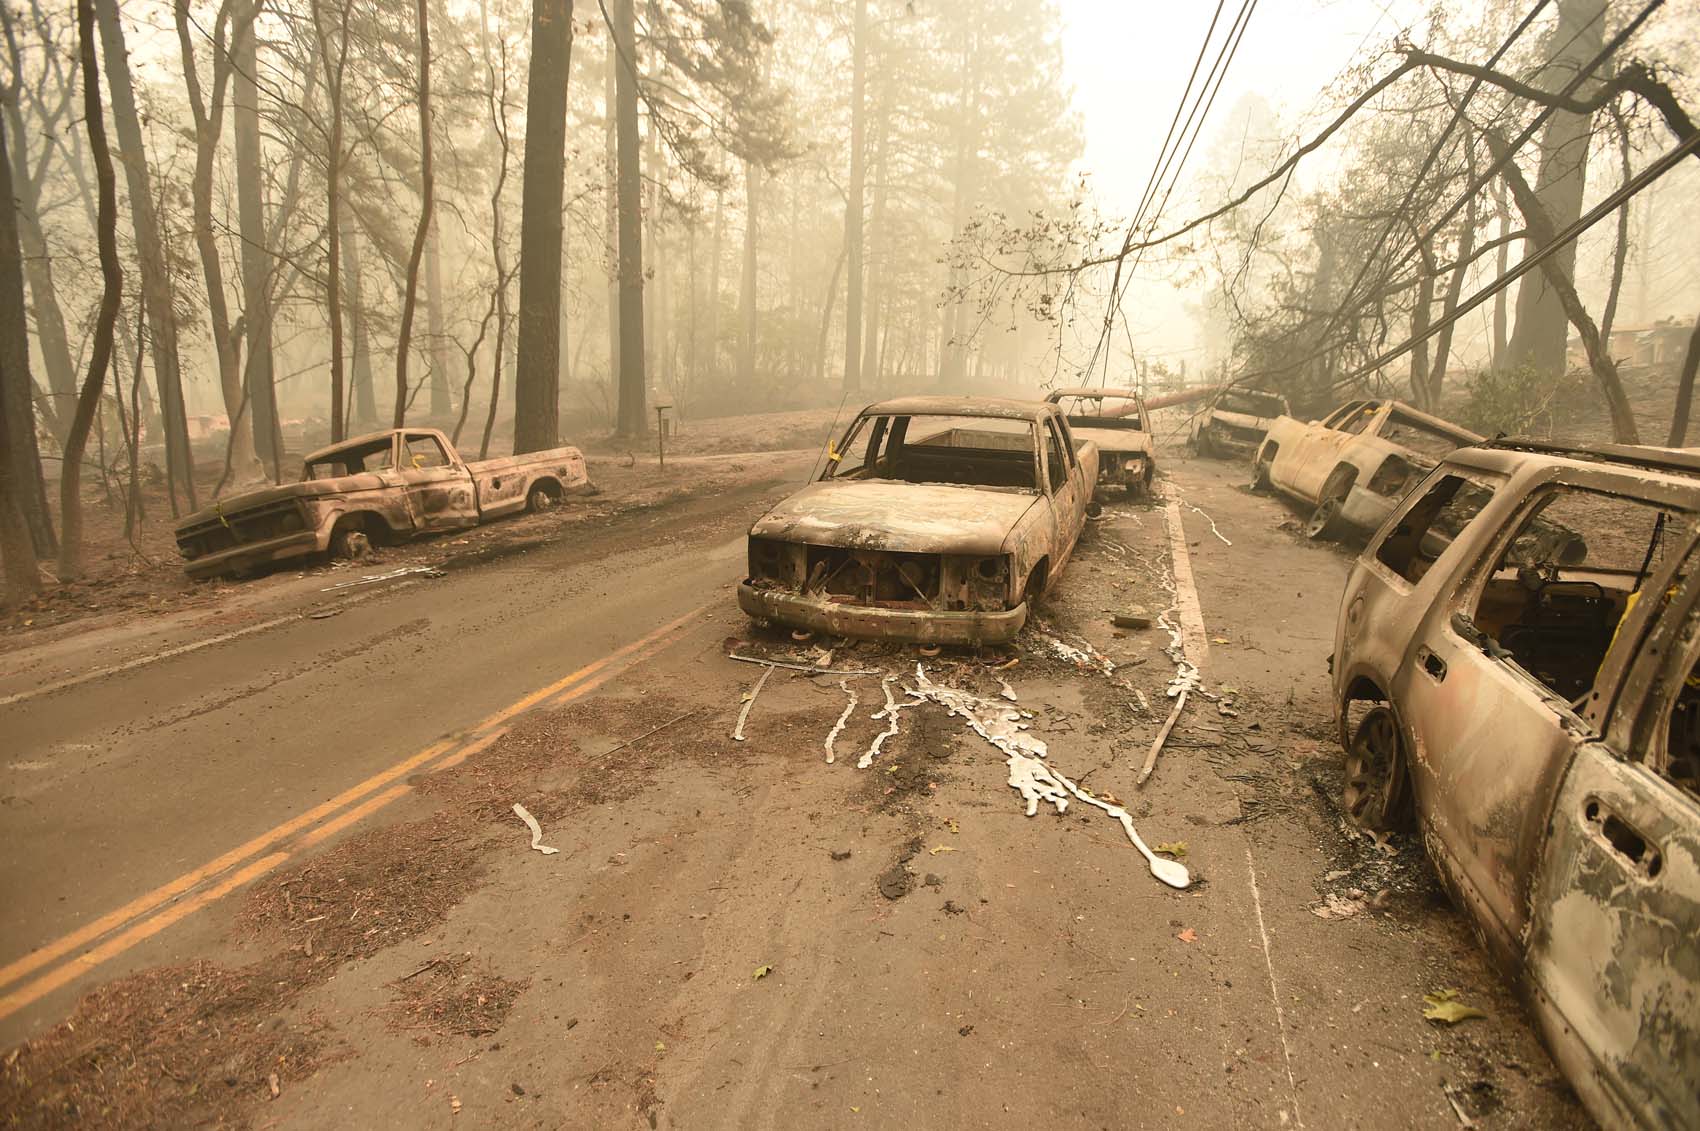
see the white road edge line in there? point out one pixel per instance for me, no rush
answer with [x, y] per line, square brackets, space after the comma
[1194, 643]
[1274, 990]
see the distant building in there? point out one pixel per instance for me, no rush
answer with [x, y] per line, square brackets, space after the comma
[1663, 343]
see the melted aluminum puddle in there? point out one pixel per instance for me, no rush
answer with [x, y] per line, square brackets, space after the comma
[1005, 727]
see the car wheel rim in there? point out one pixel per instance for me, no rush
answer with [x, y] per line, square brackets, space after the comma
[1370, 766]
[1322, 517]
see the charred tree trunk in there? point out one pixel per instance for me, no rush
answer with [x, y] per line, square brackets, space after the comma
[826, 306]
[853, 204]
[209, 125]
[1502, 264]
[256, 258]
[874, 265]
[410, 291]
[1539, 334]
[51, 336]
[333, 210]
[1454, 290]
[1620, 248]
[106, 318]
[747, 289]
[1685, 391]
[611, 209]
[716, 252]
[150, 250]
[26, 530]
[361, 393]
[1542, 231]
[441, 403]
[537, 378]
[628, 184]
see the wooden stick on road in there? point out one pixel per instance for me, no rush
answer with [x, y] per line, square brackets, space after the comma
[1162, 737]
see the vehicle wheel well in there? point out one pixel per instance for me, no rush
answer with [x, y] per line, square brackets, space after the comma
[1260, 462]
[1036, 580]
[369, 523]
[1340, 480]
[549, 485]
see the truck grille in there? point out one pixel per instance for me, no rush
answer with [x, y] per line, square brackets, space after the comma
[261, 524]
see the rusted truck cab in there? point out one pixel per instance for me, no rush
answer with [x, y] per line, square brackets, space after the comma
[1353, 466]
[936, 519]
[1516, 673]
[1115, 421]
[385, 486]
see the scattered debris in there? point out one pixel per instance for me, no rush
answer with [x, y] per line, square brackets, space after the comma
[750, 701]
[1084, 656]
[374, 578]
[938, 848]
[536, 830]
[1005, 690]
[1337, 907]
[761, 972]
[1176, 848]
[838, 727]
[802, 635]
[811, 669]
[1452, 1097]
[929, 650]
[1188, 936]
[839, 854]
[325, 614]
[1444, 1006]
[1004, 727]
[272, 1084]
[1133, 618]
[965, 1030]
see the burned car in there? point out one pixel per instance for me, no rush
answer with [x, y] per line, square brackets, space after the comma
[1517, 673]
[385, 486]
[1235, 422]
[1354, 466]
[1116, 421]
[937, 519]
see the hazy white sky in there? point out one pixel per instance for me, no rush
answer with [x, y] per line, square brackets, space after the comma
[1128, 61]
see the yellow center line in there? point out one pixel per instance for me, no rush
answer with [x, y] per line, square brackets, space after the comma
[578, 683]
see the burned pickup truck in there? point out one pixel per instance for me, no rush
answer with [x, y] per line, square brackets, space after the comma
[1353, 466]
[1116, 421]
[386, 486]
[1235, 422]
[1517, 673]
[936, 519]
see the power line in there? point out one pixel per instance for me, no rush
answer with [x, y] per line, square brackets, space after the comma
[1190, 132]
[1599, 212]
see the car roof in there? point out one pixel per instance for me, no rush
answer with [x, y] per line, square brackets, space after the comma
[1677, 466]
[1083, 391]
[1008, 408]
[353, 441]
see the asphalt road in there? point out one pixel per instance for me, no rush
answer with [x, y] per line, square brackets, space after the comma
[741, 934]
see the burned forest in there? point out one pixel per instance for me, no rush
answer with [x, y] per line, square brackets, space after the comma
[833, 563]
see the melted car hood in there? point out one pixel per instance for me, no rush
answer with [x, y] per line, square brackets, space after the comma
[1117, 440]
[879, 514]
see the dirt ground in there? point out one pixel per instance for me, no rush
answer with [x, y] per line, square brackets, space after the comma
[758, 932]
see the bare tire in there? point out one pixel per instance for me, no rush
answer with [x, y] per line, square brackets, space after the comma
[351, 544]
[1377, 794]
[539, 499]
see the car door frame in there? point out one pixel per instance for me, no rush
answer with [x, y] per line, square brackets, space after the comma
[439, 497]
[1068, 512]
[1610, 901]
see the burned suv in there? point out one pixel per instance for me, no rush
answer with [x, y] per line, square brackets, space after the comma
[1517, 673]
